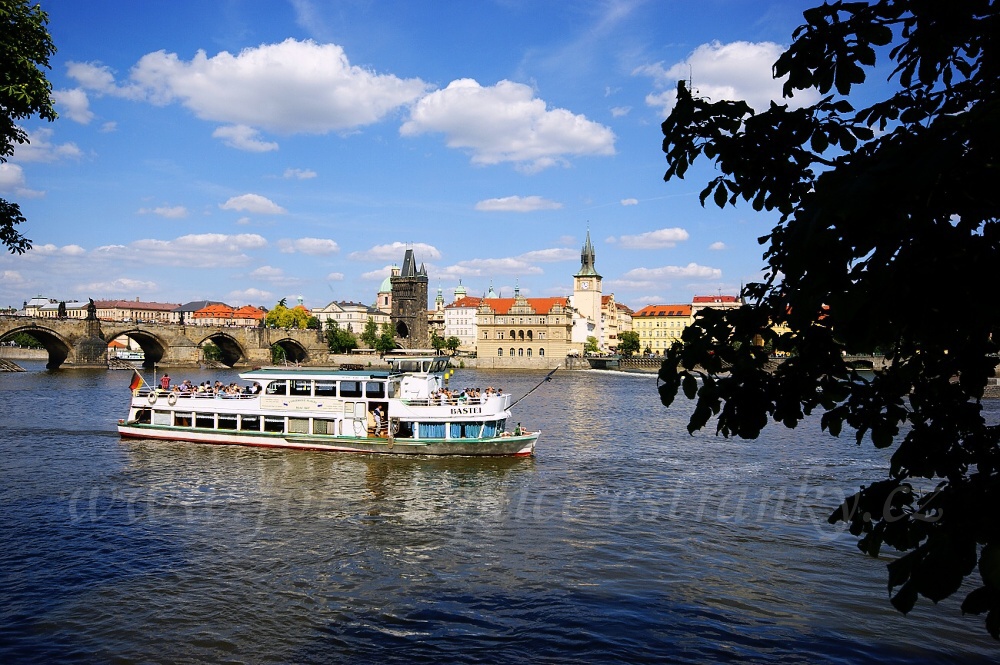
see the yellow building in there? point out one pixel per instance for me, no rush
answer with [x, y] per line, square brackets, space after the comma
[659, 326]
[524, 332]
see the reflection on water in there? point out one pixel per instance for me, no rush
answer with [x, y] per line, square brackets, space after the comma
[624, 539]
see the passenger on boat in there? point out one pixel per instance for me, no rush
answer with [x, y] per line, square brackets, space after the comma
[165, 382]
[377, 414]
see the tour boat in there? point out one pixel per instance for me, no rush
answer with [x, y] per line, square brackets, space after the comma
[406, 410]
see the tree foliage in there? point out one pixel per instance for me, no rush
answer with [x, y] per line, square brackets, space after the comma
[438, 343]
[338, 339]
[628, 343]
[369, 336]
[452, 344]
[281, 316]
[887, 238]
[25, 48]
[386, 340]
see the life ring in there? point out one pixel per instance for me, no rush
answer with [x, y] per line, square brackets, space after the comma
[151, 397]
[172, 399]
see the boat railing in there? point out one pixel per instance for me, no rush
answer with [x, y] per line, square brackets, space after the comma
[145, 392]
[447, 401]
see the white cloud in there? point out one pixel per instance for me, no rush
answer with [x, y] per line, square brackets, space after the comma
[244, 138]
[734, 71]
[109, 127]
[717, 246]
[517, 204]
[267, 272]
[253, 203]
[651, 278]
[619, 111]
[659, 239]
[630, 202]
[335, 277]
[11, 277]
[169, 212]
[73, 104]
[287, 88]
[395, 252]
[204, 250]
[122, 285]
[52, 250]
[506, 123]
[490, 267]
[299, 174]
[311, 246]
[551, 255]
[250, 295]
[41, 149]
[11, 177]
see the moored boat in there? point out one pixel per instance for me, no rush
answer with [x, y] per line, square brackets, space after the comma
[405, 410]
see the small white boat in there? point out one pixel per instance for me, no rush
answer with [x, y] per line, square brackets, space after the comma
[406, 410]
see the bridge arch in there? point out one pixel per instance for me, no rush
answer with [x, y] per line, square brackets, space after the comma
[291, 349]
[55, 344]
[232, 350]
[153, 347]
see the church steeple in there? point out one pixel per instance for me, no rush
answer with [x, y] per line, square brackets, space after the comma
[587, 259]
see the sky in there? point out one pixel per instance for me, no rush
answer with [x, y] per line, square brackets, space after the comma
[253, 150]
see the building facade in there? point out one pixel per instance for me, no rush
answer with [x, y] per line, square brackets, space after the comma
[349, 316]
[460, 321]
[586, 299]
[524, 332]
[409, 304]
[134, 311]
[659, 326]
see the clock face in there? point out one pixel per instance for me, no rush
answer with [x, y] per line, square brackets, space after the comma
[585, 284]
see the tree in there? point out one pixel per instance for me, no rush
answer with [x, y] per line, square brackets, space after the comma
[386, 340]
[369, 336]
[338, 339]
[313, 323]
[25, 48]
[283, 317]
[628, 343]
[887, 238]
[452, 343]
[591, 345]
[211, 352]
[437, 343]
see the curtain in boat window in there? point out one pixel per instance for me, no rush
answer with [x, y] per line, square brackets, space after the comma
[490, 429]
[431, 430]
[456, 430]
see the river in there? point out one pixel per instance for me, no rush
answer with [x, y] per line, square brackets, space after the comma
[623, 540]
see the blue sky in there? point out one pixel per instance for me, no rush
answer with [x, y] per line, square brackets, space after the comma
[250, 150]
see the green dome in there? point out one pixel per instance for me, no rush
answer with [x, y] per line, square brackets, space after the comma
[386, 285]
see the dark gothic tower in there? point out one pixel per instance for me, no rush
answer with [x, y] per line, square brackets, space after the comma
[409, 304]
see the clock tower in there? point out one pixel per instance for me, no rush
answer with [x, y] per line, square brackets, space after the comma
[587, 293]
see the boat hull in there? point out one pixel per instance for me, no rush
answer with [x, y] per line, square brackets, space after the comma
[506, 446]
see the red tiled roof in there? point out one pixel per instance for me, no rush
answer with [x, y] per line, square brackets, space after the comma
[467, 301]
[663, 310]
[249, 312]
[706, 299]
[215, 311]
[540, 305]
[135, 304]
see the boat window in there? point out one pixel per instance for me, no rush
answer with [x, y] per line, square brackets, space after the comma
[393, 389]
[350, 389]
[162, 417]
[277, 387]
[490, 429]
[182, 419]
[301, 386]
[206, 420]
[143, 416]
[405, 430]
[321, 426]
[349, 409]
[375, 389]
[440, 365]
[359, 409]
[431, 430]
[250, 423]
[298, 425]
[426, 366]
[274, 424]
[227, 421]
[326, 389]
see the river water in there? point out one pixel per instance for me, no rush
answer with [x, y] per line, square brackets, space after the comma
[623, 540]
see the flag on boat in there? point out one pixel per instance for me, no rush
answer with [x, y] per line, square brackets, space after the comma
[136, 381]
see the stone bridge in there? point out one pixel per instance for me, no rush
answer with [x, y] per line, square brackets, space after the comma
[84, 342]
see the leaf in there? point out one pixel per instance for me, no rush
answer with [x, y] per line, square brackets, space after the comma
[978, 601]
[906, 598]
[721, 196]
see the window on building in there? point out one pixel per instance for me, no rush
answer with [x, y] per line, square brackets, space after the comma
[500, 352]
[529, 353]
[541, 352]
[512, 352]
[520, 353]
